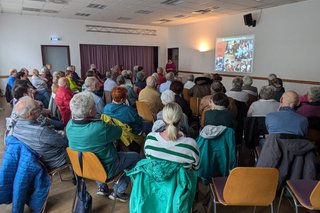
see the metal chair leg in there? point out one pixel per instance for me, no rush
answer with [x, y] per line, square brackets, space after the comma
[271, 207]
[280, 199]
[115, 193]
[213, 199]
[254, 209]
[296, 204]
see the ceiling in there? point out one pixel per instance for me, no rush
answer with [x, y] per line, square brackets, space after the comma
[145, 12]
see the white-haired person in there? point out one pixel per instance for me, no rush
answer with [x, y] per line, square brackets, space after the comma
[168, 97]
[93, 86]
[171, 144]
[42, 89]
[166, 85]
[86, 133]
[247, 86]
[311, 108]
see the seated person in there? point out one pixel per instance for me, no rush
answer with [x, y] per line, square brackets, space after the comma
[312, 107]
[265, 104]
[201, 87]
[92, 85]
[42, 91]
[86, 133]
[151, 96]
[62, 99]
[219, 114]
[72, 82]
[287, 121]
[124, 113]
[161, 78]
[141, 81]
[236, 92]
[217, 87]
[166, 85]
[169, 97]
[132, 96]
[247, 86]
[46, 142]
[277, 84]
[170, 143]
[189, 83]
[177, 87]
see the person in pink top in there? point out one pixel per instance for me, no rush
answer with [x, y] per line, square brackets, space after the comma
[171, 67]
[161, 78]
[62, 99]
[312, 107]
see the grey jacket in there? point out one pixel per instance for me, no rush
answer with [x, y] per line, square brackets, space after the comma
[294, 158]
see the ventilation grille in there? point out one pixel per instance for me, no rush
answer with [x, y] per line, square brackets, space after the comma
[204, 11]
[172, 2]
[82, 14]
[144, 11]
[50, 11]
[180, 16]
[120, 30]
[53, 1]
[31, 9]
[97, 6]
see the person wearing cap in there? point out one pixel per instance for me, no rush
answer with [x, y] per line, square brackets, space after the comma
[286, 120]
[312, 107]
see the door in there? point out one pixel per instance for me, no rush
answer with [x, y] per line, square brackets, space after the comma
[173, 54]
[56, 55]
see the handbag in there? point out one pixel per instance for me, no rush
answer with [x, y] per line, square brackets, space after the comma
[84, 199]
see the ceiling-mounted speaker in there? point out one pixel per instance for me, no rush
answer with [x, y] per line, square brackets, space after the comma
[248, 20]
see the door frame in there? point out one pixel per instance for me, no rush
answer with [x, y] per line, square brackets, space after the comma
[44, 46]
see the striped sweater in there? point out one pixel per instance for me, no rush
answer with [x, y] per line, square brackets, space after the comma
[184, 150]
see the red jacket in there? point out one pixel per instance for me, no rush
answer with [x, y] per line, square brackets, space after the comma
[62, 100]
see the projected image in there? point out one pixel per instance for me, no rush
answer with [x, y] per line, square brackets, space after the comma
[234, 54]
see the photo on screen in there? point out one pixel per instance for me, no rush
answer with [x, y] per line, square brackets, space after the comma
[234, 54]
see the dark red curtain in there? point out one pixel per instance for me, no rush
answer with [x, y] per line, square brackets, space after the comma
[106, 56]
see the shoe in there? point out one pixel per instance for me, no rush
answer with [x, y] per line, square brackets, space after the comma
[122, 197]
[103, 192]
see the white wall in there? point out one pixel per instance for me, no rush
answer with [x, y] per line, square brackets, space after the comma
[286, 42]
[21, 37]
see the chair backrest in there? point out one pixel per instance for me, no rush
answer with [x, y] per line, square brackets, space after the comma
[202, 118]
[195, 105]
[313, 135]
[144, 111]
[251, 186]
[314, 197]
[91, 166]
[185, 93]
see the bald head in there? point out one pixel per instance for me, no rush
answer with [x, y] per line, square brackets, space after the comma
[63, 82]
[27, 108]
[289, 99]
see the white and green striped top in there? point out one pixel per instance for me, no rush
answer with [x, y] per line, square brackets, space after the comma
[184, 150]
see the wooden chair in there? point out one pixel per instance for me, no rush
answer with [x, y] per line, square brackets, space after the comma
[246, 187]
[195, 106]
[92, 169]
[305, 193]
[144, 111]
[185, 93]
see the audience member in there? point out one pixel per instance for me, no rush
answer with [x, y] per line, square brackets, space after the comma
[127, 76]
[278, 88]
[219, 113]
[96, 72]
[217, 77]
[41, 86]
[132, 97]
[85, 133]
[265, 104]
[247, 86]
[271, 77]
[161, 78]
[109, 84]
[171, 143]
[190, 82]
[92, 85]
[62, 99]
[141, 81]
[72, 83]
[12, 77]
[312, 107]
[151, 96]
[236, 92]
[166, 85]
[171, 67]
[201, 87]
[177, 87]
[46, 142]
[46, 75]
[287, 121]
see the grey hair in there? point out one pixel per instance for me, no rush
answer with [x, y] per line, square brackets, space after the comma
[167, 97]
[237, 83]
[81, 105]
[267, 93]
[155, 75]
[170, 76]
[91, 83]
[190, 78]
[247, 80]
[56, 75]
[120, 80]
[272, 76]
[314, 93]
[216, 87]
[140, 75]
[151, 81]
[44, 69]
[28, 105]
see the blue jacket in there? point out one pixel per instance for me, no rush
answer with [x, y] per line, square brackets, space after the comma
[161, 186]
[22, 178]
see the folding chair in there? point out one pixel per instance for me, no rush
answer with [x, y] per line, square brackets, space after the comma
[144, 111]
[92, 170]
[245, 187]
[305, 193]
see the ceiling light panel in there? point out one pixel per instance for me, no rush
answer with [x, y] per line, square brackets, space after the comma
[97, 6]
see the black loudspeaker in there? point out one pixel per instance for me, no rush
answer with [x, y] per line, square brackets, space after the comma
[248, 20]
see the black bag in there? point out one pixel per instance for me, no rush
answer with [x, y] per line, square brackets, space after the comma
[84, 199]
